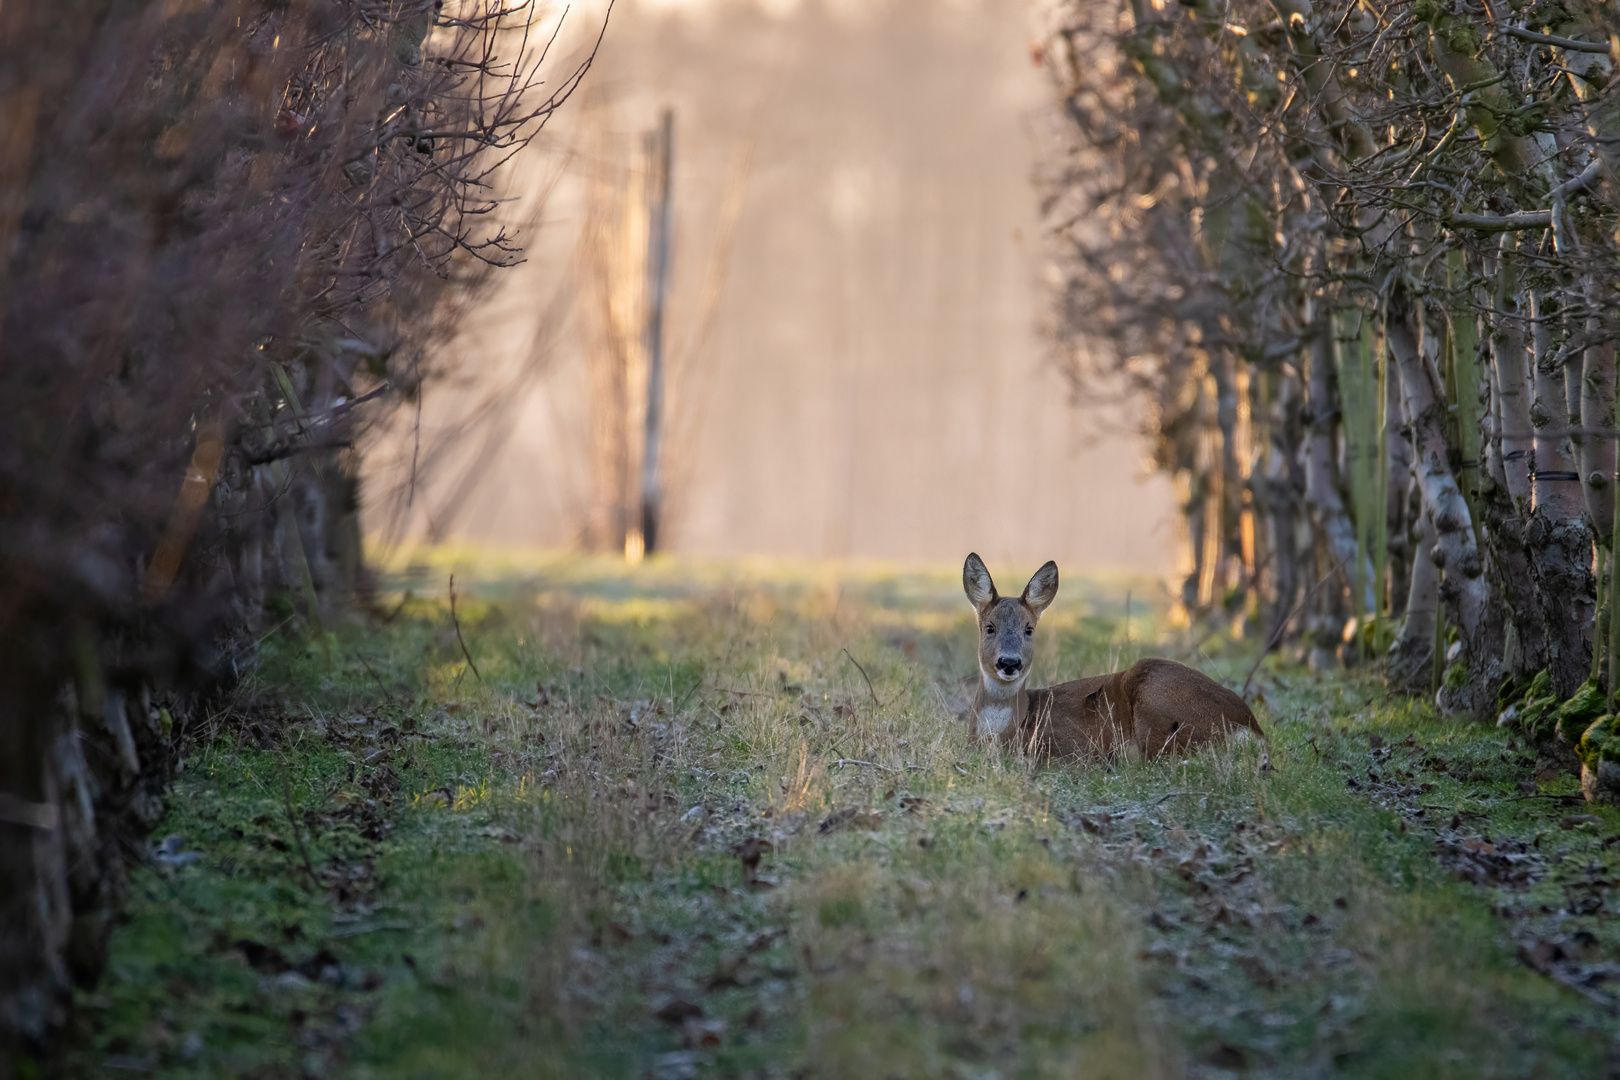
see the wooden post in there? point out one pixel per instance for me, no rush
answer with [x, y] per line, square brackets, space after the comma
[660, 152]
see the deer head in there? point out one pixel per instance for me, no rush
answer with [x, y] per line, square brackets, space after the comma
[1007, 624]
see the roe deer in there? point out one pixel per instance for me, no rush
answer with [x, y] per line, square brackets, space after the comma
[1150, 708]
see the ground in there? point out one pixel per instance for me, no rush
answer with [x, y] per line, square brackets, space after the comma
[718, 820]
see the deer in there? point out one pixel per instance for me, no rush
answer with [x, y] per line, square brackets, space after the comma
[1151, 708]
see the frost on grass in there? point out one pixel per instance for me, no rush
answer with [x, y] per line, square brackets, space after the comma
[676, 830]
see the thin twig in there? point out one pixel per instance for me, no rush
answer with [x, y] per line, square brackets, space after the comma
[456, 622]
[392, 615]
[1559, 798]
[266, 636]
[1167, 796]
[1567, 44]
[367, 665]
[856, 761]
[875, 703]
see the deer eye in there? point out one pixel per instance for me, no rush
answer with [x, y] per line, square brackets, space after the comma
[1029, 631]
[989, 628]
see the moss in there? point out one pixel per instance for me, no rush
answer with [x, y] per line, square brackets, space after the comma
[1584, 706]
[1540, 686]
[1456, 676]
[1510, 692]
[1525, 121]
[1464, 39]
[1598, 742]
[1538, 717]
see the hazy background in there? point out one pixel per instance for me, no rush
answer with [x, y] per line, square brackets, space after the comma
[856, 368]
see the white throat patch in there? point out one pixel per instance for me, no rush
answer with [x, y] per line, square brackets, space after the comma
[993, 719]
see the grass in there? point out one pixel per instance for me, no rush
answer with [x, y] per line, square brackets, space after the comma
[671, 829]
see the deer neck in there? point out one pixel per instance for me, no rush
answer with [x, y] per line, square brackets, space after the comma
[999, 707]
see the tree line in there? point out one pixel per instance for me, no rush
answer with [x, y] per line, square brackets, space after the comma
[1360, 261]
[232, 233]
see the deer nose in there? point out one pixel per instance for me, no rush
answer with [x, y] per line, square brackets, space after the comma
[1010, 664]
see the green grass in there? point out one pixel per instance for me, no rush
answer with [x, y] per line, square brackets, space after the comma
[410, 870]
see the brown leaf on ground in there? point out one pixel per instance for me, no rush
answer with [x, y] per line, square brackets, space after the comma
[700, 1034]
[1095, 824]
[266, 959]
[913, 804]
[1478, 861]
[678, 1011]
[749, 851]
[1223, 1055]
[1559, 959]
[1259, 971]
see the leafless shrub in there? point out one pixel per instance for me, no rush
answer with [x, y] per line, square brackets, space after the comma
[233, 229]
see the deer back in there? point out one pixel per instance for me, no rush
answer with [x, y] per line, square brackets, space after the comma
[1153, 707]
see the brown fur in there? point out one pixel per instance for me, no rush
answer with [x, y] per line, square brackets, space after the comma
[1151, 708]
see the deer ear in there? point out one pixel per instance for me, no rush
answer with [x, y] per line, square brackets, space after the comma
[1042, 588]
[981, 591]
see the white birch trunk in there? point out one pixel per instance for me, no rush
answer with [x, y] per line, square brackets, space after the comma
[1512, 386]
[1597, 439]
[1409, 665]
[1558, 538]
[1464, 590]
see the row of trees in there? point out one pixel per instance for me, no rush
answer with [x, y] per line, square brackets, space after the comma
[1361, 258]
[232, 230]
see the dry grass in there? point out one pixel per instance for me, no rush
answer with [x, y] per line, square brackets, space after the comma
[579, 850]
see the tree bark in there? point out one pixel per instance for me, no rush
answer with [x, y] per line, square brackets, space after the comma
[1399, 524]
[1278, 493]
[1512, 384]
[1321, 458]
[1558, 537]
[1231, 490]
[1597, 416]
[1464, 591]
[1525, 646]
[1409, 665]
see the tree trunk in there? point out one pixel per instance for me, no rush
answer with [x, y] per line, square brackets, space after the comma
[1508, 568]
[1464, 591]
[1321, 464]
[1558, 538]
[1278, 491]
[1525, 643]
[1230, 504]
[1399, 524]
[1409, 666]
[1512, 384]
[1596, 446]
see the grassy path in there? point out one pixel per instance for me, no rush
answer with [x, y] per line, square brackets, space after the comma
[671, 829]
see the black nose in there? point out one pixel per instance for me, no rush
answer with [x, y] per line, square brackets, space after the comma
[1009, 664]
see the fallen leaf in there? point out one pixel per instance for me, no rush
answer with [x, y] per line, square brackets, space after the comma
[678, 1011]
[1223, 1055]
[700, 1034]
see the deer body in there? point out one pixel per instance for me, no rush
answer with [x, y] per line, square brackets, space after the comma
[1152, 707]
